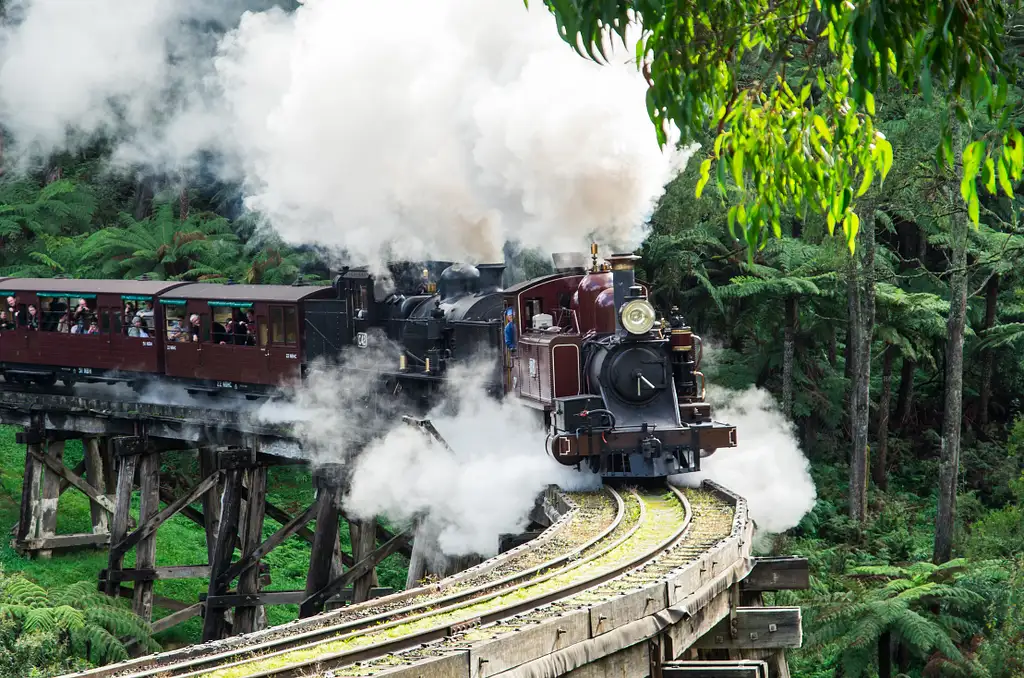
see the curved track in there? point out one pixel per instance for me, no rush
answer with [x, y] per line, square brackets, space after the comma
[608, 545]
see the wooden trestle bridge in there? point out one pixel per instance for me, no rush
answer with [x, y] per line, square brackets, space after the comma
[665, 588]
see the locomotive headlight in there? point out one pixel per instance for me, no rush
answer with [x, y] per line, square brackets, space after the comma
[638, 316]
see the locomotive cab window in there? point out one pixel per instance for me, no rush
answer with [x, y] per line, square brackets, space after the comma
[284, 321]
[533, 307]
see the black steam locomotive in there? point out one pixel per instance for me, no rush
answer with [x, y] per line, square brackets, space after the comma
[619, 391]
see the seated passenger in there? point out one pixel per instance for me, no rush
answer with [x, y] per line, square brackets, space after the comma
[5, 321]
[78, 327]
[138, 328]
[64, 325]
[94, 328]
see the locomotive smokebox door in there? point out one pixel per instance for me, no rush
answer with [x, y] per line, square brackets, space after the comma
[569, 413]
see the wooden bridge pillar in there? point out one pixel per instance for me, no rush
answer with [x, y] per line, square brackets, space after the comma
[328, 481]
[44, 481]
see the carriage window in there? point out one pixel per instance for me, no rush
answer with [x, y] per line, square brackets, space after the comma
[291, 317]
[284, 324]
[176, 325]
[105, 321]
[277, 324]
[54, 314]
[233, 323]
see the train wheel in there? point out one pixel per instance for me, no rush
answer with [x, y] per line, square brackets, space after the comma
[46, 380]
[68, 381]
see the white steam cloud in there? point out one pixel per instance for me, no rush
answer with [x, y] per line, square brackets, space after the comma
[464, 498]
[401, 129]
[767, 468]
[483, 487]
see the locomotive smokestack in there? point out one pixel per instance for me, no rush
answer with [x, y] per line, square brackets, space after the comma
[623, 278]
[491, 276]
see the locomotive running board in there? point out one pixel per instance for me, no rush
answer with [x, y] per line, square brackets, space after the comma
[427, 426]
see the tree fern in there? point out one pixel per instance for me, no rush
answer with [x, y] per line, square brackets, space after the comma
[90, 625]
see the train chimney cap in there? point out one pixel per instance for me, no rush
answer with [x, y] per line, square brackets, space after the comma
[623, 262]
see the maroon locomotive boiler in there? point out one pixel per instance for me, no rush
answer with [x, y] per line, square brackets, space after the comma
[620, 393]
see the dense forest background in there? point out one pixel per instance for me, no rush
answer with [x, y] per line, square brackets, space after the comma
[854, 349]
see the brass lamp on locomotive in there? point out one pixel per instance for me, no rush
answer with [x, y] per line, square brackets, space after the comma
[620, 392]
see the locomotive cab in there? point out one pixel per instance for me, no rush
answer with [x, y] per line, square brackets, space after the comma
[618, 395]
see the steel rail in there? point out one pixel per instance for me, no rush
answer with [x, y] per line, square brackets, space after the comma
[440, 631]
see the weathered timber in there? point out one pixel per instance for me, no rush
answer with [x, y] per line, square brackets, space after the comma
[363, 539]
[283, 517]
[757, 628]
[155, 573]
[72, 478]
[29, 496]
[778, 574]
[324, 542]
[95, 464]
[252, 532]
[63, 541]
[211, 500]
[364, 566]
[215, 625]
[272, 542]
[145, 550]
[79, 469]
[175, 618]
[119, 525]
[744, 668]
[281, 598]
[151, 525]
[50, 495]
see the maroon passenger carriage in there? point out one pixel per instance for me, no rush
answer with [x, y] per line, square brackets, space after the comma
[42, 356]
[206, 357]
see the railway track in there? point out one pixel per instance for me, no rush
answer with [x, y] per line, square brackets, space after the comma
[608, 545]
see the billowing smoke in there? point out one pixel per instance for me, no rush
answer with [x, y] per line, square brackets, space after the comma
[485, 485]
[406, 129]
[467, 496]
[767, 468]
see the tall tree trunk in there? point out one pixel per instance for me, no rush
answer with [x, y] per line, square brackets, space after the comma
[885, 655]
[862, 375]
[988, 361]
[949, 455]
[788, 349]
[880, 460]
[905, 398]
[832, 352]
[860, 304]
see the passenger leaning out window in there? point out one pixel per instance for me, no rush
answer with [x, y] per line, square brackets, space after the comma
[193, 330]
[32, 322]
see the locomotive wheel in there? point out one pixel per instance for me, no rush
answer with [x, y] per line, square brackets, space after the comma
[68, 381]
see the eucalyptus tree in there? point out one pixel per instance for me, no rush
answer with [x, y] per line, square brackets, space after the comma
[788, 90]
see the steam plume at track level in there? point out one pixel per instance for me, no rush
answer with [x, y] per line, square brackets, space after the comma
[767, 468]
[405, 129]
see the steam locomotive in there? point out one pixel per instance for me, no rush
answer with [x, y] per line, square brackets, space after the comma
[619, 391]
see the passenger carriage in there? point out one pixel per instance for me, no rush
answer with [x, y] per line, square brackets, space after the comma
[47, 350]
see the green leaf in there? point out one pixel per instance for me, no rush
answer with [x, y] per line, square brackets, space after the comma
[885, 154]
[737, 167]
[705, 175]
[1004, 178]
[851, 225]
[865, 183]
[973, 208]
[823, 130]
[988, 175]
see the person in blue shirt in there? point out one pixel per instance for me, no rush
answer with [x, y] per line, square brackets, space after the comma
[510, 330]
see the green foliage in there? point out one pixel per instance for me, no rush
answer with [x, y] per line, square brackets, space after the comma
[788, 90]
[82, 622]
